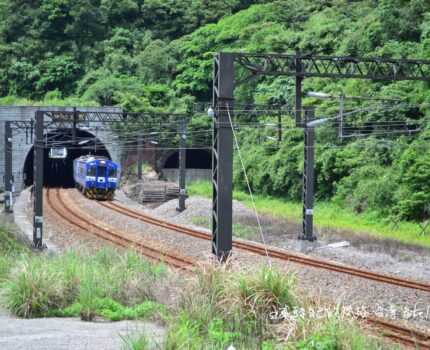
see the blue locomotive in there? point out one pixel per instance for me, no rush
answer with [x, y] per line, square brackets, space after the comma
[96, 177]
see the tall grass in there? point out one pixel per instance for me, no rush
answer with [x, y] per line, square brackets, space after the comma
[221, 308]
[108, 284]
[10, 251]
[327, 216]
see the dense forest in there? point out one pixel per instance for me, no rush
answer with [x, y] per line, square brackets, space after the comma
[157, 55]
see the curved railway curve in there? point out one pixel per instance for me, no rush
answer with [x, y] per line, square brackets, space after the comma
[74, 217]
[71, 214]
[401, 334]
[273, 251]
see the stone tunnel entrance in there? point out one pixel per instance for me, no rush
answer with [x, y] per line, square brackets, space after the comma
[59, 172]
[198, 164]
[195, 159]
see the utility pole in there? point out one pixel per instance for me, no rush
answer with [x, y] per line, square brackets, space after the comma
[139, 156]
[222, 156]
[8, 180]
[299, 79]
[182, 165]
[38, 183]
[308, 178]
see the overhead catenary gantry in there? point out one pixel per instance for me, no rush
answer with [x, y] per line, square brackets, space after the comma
[296, 65]
[47, 120]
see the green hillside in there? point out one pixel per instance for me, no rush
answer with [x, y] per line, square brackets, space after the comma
[154, 54]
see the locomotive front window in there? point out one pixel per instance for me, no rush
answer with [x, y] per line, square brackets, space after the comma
[91, 171]
[112, 172]
[101, 171]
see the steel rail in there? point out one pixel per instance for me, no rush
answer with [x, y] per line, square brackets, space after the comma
[400, 334]
[274, 252]
[73, 217]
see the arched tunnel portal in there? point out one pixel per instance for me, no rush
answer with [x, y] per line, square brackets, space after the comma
[195, 159]
[198, 164]
[59, 172]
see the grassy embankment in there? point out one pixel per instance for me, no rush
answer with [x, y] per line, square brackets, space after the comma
[216, 307]
[108, 284]
[327, 215]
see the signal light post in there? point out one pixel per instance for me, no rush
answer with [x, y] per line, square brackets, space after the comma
[182, 165]
[38, 183]
[308, 178]
[8, 180]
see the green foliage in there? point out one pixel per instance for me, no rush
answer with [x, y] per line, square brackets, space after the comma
[36, 288]
[136, 342]
[327, 215]
[111, 310]
[158, 56]
[10, 249]
[108, 284]
[337, 333]
[222, 308]
[413, 196]
[8, 243]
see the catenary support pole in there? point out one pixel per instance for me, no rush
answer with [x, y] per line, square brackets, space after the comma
[182, 165]
[38, 183]
[308, 178]
[299, 79]
[8, 180]
[222, 156]
[139, 156]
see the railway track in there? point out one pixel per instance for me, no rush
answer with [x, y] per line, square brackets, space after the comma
[400, 334]
[69, 213]
[76, 218]
[273, 252]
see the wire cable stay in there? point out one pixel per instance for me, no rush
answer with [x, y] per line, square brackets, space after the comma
[249, 188]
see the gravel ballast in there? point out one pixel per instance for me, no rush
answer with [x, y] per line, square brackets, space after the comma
[318, 283]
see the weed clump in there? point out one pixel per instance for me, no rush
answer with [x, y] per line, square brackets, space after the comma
[107, 284]
[221, 308]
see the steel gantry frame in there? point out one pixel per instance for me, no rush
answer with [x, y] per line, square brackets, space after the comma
[9, 127]
[45, 120]
[296, 65]
[8, 175]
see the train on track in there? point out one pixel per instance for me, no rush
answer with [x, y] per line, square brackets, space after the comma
[96, 177]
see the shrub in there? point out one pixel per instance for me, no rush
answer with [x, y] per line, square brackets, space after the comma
[337, 332]
[220, 308]
[34, 288]
[369, 187]
[108, 284]
[265, 292]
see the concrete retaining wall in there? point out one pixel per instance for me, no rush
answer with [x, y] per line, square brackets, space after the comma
[192, 174]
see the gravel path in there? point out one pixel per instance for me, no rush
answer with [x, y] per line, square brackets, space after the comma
[70, 333]
[335, 287]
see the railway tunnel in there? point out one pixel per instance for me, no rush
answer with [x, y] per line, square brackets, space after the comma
[59, 172]
[198, 165]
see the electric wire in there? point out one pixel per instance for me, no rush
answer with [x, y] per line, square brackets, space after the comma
[249, 188]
